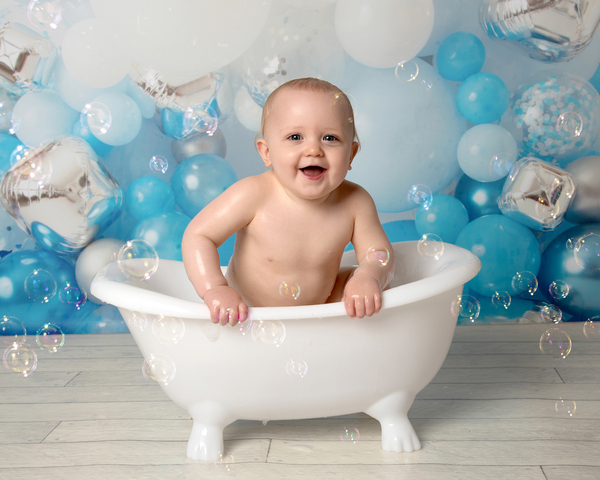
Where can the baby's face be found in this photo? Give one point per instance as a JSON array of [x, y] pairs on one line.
[[308, 140]]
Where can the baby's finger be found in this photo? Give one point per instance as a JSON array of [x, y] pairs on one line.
[[377, 302], [223, 316], [369, 306], [243, 309], [359, 306], [233, 316], [349, 304]]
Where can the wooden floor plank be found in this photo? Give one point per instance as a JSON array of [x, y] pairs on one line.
[[91, 394], [25, 432]]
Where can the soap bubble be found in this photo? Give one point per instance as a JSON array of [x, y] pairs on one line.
[[269, 332], [168, 329], [12, 330], [550, 313], [138, 259], [20, 358], [137, 320], [42, 13], [569, 124], [245, 326], [349, 434], [18, 153], [378, 256], [96, 117], [556, 343], [50, 337], [290, 290], [591, 328], [199, 119], [501, 298], [465, 306], [296, 367], [566, 408], [524, 282], [72, 295], [559, 289], [420, 196], [570, 243], [159, 164], [587, 251], [40, 286], [431, 245], [159, 367], [502, 164], [407, 71], [225, 461], [36, 168]]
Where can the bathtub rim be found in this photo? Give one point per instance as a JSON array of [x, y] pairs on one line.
[[136, 299]]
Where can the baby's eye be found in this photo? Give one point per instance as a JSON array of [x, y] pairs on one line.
[[329, 138], [295, 137]]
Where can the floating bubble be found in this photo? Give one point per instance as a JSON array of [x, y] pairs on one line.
[[431, 245], [558, 289], [378, 256], [296, 367], [566, 408], [18, 153], [269, 332], [225, 461], [50, 337], [349, 435], [42, 13], [524, 282], [554, 342], [73, 295], [407, 71], [591, 328], [20, 358], [569, 124], [96, 117], [137, 320], [570, 243], [160, 368], [465, 306], [159, 164], [12, 330], [199, 119], [138, 259], [501, 298], [36, 168], [291, 290], [168, 329], [420, 196], [40, 286], [245, 326], [550, 313], [587, 252], [501, 164]]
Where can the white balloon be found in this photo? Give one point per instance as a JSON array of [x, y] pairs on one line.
[[310, 4], [92, 258], [247, 111], [383, 33]]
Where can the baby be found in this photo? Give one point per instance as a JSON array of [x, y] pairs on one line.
[[293, 221]]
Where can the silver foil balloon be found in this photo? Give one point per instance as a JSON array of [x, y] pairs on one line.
[[585, 207], [201, 143], [548, 30], [27, 59], [61, 195]]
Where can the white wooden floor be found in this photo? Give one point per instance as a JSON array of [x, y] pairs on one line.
[[87, 412]]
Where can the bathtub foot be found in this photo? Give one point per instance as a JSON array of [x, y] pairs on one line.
[[206, 440], [397, 433]]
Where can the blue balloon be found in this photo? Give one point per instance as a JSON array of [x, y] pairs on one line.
[[114, 118], [8, 143], [401, 231], [200, 179], [479, 198], [482, 98], [148, 195], [445, 217], [99, 147], [560, 263], [504, 247], [460, 55], [164, 231]]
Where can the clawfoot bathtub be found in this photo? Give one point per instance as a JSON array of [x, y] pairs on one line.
[[295, 362]]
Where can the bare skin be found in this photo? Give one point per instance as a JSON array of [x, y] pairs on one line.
[[292, 222]]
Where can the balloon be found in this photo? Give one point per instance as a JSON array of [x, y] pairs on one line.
[[83, 132], [397, 121], [383, 33], [445, 217], [143, 100], [487, 152], [39, 116], [585, 207], [199, 180], [196, 37], [563, 261], [92, 258], [148, 195], [214, 144], [8, 144], [478, 198], [164, 231], [504, 247], [104, 319], [310, 4], [460, 55], [247, 111], [447, 18], [482, 98], [113, 118], [401, 230], [7, 103]]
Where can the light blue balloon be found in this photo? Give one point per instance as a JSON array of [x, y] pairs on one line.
[[99, 147], [401, 231], [200, 179], [459, 55], [445, 217], [164, 231], [148, 195], [8, 143], [504, 247], [482, 98], [125, 119], [143, 100], [487, 152], [479, 198]]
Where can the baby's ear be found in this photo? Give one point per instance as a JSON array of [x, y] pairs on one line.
[[263, 150]]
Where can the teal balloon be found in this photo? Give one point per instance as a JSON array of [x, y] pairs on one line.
[[8, 143], [482, 98], [460, 55], [479, 198], [559, 263], [445, 217], [148, 195], [164, 231], [401, 231], [504, 247]]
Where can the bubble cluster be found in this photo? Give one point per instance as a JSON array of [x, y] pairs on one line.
[[289, 290], [378, 256], [168, 330], [565, 408], [44, 13], [587, 252], [501, 298], [556, 343], [349, 435], [591, 328], [269, 332], [12, 330], [420, 196], [73, 295], [524, 282], [137, 259], [20, 358], [558, 289], [465, 306], [50, 338], [96, 117], [159, 164], [431, 245], [40, 286], [199, 119], [297, 368], [407, 71], [160, 368]]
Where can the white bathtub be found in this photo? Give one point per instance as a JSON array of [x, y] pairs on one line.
[[221, 374]]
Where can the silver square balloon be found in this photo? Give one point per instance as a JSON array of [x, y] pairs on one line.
[[537, 194], [61, 195]]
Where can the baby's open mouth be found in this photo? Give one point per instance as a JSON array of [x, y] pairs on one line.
[[312, 171]]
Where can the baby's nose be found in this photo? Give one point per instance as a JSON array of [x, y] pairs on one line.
[[313, 148]]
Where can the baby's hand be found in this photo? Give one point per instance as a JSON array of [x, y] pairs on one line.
[[225, 305], [362, 295]]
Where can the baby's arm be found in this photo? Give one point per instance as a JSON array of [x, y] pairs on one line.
[[362, 293], [214, 224]]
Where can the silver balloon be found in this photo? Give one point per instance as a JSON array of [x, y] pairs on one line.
[[200, 143], [548, 30], [61, 195], [585, 207]]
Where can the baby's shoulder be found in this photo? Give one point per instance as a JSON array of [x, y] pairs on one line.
[[353, 191]]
